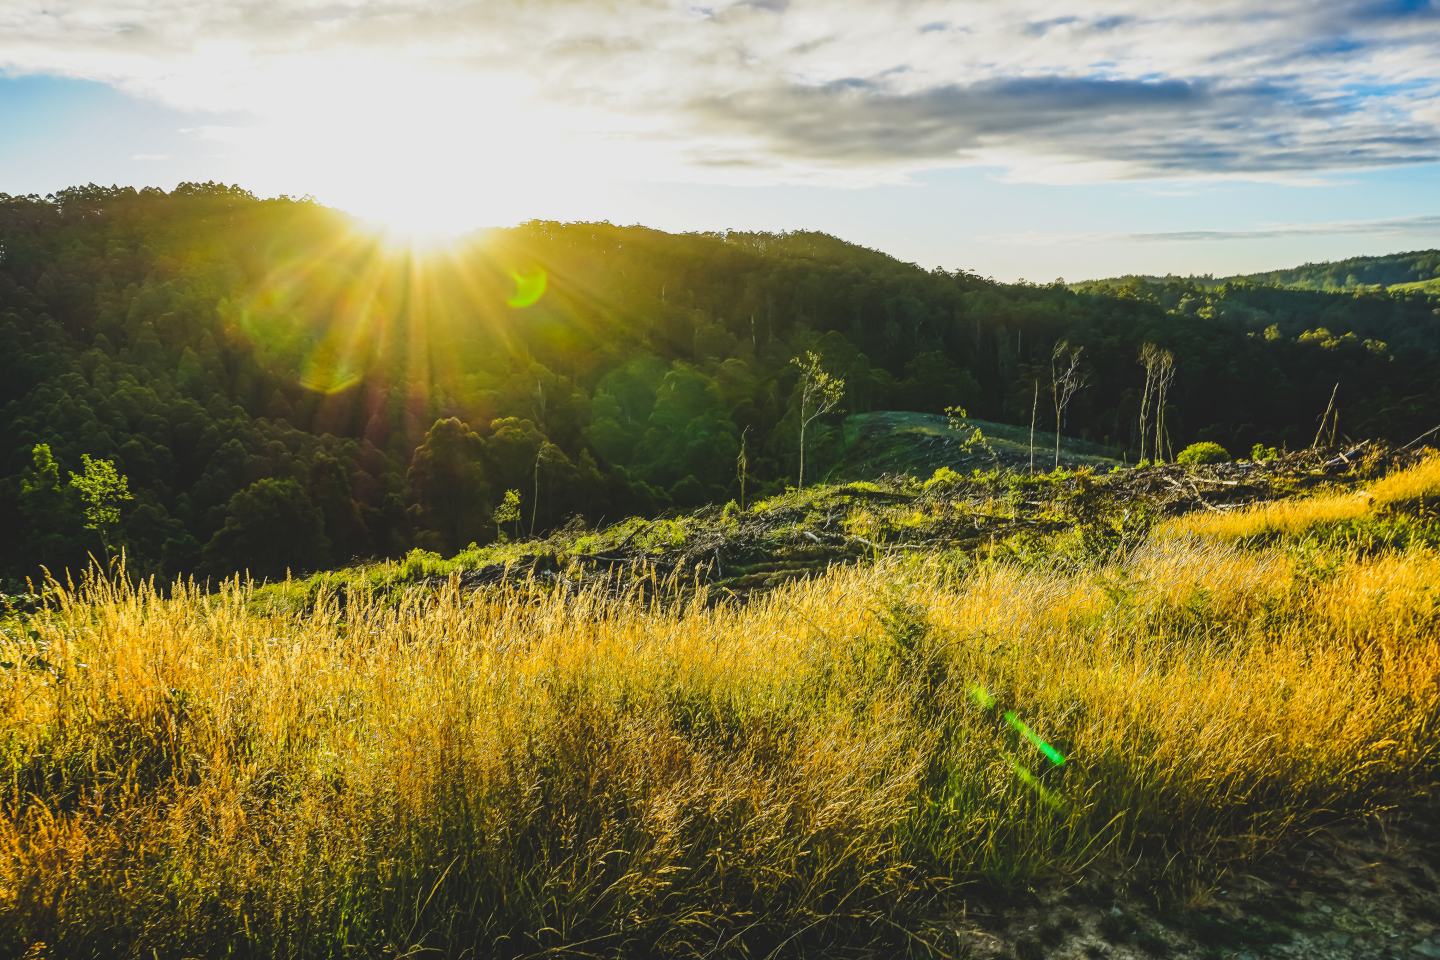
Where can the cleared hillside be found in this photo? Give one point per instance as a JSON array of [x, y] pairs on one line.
[[1085, 734], [894, 441]]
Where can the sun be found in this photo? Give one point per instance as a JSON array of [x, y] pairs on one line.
[[423, 155], [413, 223], [394, 150]]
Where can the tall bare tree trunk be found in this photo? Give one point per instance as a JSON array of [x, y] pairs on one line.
[[1066, 378], [535, 501], [800, 484], [1149, 359], [742, 464], [1164, 375], [1034, 410], [1325, 417]]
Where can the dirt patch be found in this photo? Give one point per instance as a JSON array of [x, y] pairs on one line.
[[1359, 891]]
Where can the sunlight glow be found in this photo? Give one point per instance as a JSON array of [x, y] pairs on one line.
[[421, 155], [413, 227]]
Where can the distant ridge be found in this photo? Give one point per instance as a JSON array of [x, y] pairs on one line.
[[1390, 271], [1415, 271]]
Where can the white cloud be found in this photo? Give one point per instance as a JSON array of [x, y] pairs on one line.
[[1421, 225], [780, 90]]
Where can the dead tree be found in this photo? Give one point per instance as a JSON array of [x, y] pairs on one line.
[[1150, 360], [1159, 367], [1034, 409], [742, 464], [1325, 419], [1066, 378], [1164, 376], [820, 392], [547, 451]]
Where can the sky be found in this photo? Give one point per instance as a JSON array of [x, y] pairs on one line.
[[1033, 139]]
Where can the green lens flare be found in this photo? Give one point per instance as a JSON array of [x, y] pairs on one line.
[[1028, 778], [982, 697], [1051, 754], [529, 287]]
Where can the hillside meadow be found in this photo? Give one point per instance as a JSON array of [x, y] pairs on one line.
[[269, 385], [524, 770]]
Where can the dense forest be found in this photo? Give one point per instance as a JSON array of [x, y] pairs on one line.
[[214, 382], [1418, 269], [1393, 270]]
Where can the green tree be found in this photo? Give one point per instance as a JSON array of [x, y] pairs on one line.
[[270, 527], [508, 512], [50, 513], [820, 392], [329, 487], [102, 489], [448, 486], [41, 497]]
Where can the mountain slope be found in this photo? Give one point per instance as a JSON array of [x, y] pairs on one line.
[[284, 391]]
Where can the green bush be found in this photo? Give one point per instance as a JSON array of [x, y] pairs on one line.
[[1206, 451], [942, 479]]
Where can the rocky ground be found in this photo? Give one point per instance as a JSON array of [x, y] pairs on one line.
[[1349, 893]]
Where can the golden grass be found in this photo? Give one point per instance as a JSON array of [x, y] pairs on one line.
[[1416, 488], [515, 772]]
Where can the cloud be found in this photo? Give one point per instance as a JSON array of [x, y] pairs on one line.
[[1425, 223], [798, 90], [1418, 225]]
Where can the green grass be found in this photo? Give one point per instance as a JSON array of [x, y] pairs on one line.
[[919, 443]]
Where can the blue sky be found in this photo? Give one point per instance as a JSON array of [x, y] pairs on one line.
[[1017, 139]]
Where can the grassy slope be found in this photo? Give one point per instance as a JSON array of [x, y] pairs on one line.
[[894, 441], [1063, 515], [519, 769]]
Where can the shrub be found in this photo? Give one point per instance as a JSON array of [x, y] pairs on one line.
[[941, 479], [1206, 451]]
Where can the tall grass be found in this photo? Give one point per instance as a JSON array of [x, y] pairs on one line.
[[519, 772], [1415, 490]]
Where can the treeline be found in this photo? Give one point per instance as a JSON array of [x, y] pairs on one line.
[[1383, 271], [275, 389]]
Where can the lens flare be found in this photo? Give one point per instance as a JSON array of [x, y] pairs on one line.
[[1048, 797], [1051, 754], [986, 701], [529, 287]]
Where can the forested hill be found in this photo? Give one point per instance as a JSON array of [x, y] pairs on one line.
[[1394, 270], [1417, 271], [281, 390]]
